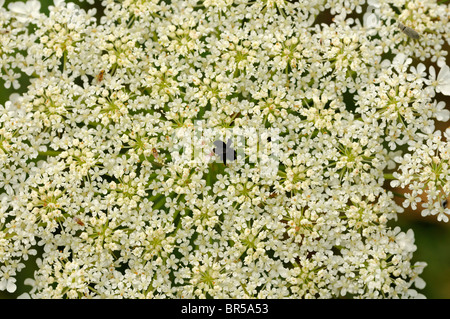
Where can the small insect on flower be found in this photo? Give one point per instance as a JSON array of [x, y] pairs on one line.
[[155, 152], [78, 221], [444, 203], [224, 151], [100, 76], [408, 31]]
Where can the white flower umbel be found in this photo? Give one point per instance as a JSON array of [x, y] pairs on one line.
[[107, 160], [441, 83], [25, 11], [426, 173]]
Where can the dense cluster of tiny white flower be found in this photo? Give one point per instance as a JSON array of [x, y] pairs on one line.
[[86, 153]]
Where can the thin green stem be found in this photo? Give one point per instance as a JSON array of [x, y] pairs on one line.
[[397, 194], [64, 60]]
